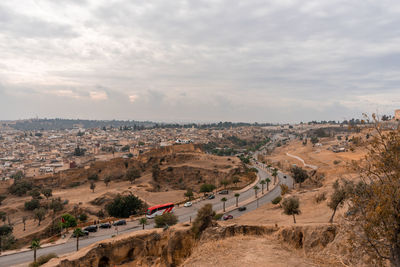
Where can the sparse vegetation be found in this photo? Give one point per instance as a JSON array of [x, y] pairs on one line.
[[203, 219], [132, 174], [276, 200], [39, 214], [284, 189], [339, 195], [320, 197], [167, 219], [43, 259]]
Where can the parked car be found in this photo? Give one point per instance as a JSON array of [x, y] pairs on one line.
[[223, 192], [120, 222], [284, 176], [105, 225], [83, 233], [188, 204], [91, 228], [211, 197], [242, 208], [227, 217]]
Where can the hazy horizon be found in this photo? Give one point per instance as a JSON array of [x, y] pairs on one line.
[[199, 61]]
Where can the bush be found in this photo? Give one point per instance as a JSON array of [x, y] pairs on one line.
[[125, 206], [83, 217], [93, 177], [336, 162], [69, 220], [165, 219], [2, 197], [276, 200], [20, 187], [320, 197], [56, 205], [284, 189], [74, 184], [203, 219], [32, 204], [204, 188], [218, 216], [43, 259], [35, 194]]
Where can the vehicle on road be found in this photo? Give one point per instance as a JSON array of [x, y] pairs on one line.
[[159, 210], [83, 233], [188, 204], [227, 217], [223, 192], [120, 222], [211, 196], [242, 208], [284, 176], [91, 228], [105, 225]]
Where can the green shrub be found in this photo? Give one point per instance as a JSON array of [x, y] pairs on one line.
[[125, 206], [20, 187], [218, 216], [167, 219], [43, 259], [93, 177], [74, 184], [336, 162], [83, 217], [32, 204], [276, 200], [69, 220]]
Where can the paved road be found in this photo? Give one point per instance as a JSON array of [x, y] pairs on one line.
[[184, 215]]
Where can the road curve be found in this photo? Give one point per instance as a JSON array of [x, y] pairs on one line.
[[184, 215]]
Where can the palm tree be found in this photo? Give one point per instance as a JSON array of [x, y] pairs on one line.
[[35, 245], [275, 173], [237, 195], [223, 201], [256, 188], [77, 232], [268, 181], [143, 221], [262, 186]]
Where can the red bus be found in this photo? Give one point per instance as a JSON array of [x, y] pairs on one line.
[[159, 210]]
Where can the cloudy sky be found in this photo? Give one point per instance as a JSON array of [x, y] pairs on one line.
[[202, 60]]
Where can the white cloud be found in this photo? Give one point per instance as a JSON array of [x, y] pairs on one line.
[[133, 98], [98, 95]]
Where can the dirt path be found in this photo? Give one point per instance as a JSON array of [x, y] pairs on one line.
[[302, 161]]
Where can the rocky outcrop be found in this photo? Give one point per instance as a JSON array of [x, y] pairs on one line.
[[170, 248]]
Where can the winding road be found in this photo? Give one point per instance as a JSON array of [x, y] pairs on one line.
[[247, 199]]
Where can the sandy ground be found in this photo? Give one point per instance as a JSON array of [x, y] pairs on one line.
[[245, 251], [311, 211]]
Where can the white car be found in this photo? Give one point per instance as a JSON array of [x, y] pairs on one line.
[[188, 204]]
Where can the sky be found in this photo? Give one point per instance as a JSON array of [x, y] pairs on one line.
[[200, 61]]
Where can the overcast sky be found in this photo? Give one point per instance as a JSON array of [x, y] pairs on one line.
[[197, 60]]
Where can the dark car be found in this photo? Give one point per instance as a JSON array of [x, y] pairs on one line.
[[242, 208], [120, 222], [92, 228], [227, 217], [105, 225], [211, 197], [284, 176], [223, 192], [83, 233]]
